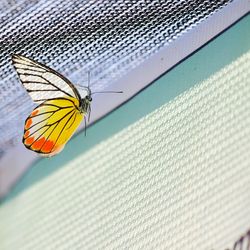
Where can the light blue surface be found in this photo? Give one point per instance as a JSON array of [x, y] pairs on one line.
[[221, 51]]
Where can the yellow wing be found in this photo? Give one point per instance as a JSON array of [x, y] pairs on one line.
[[51, 124]]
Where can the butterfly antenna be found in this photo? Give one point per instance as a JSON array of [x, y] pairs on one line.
[[89, 113], [106, 92], [88, 79]]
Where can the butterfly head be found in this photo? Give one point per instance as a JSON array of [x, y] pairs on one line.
[[88, 98], [86, 101]]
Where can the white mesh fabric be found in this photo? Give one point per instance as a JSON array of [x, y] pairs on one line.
[[107, 38], [176, 179]]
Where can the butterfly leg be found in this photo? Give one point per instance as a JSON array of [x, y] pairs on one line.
[[85, 125], [89, 113]]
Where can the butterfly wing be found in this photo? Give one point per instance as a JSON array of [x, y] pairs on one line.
[[51, 124], [54, 121], [41, 82]]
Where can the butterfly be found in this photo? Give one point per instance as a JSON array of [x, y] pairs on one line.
[[60, 108]]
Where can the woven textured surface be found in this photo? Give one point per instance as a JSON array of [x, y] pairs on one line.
[[175, 179], [107, 38]]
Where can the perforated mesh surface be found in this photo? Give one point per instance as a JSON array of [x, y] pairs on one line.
[[107, 38], [176, 179]]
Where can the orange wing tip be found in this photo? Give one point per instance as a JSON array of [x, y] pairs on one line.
[[34, 112], [38, 144], [28, 123], [56, 151], [26, 134], [48, 146], [29, 141]]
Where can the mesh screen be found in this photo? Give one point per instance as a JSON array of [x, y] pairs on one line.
[[107, 38], [175, 179]]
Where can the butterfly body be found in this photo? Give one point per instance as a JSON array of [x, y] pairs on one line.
[[60, 111]]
